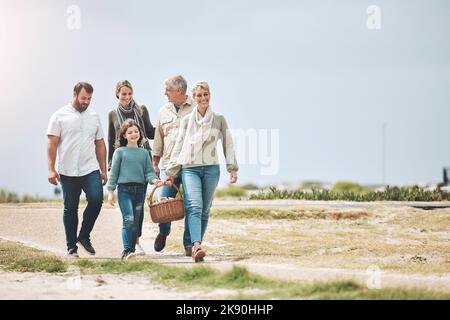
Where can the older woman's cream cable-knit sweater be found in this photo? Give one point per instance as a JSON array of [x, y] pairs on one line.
[[208, 155]]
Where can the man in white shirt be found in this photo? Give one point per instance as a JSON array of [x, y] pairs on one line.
[[75, 134]]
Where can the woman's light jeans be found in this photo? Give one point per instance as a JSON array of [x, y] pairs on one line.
[[199, 185]]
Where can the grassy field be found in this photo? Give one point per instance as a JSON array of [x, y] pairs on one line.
[[355, 193], [399, 240], [403, 240], [15, 257]]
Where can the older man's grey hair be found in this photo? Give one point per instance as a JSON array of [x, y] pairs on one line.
[[177, 82]]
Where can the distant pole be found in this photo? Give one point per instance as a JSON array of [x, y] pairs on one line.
[[383, 154]]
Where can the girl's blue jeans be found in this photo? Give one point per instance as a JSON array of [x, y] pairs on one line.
[[131, 202]]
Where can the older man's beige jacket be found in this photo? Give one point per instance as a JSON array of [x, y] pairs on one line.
[[167, 126]]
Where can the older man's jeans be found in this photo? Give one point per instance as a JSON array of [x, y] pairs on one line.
[[199, 185], [167, 192], [92, 186], [141, 220], [131, 202]]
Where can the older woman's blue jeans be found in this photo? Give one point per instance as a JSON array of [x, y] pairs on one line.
[[199, 185], [131, 202]]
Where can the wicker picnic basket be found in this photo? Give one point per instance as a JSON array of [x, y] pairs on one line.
[[166, 210]]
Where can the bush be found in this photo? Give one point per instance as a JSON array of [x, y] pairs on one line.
[[8, 197], [12, 197], [249, 186], [311, 185], [341, 187], [231, 191], [394, 194]]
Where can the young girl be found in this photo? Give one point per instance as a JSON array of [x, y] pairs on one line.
[[131, 170], [128, 108]]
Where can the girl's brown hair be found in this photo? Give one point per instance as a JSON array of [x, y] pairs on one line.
[[121, 141]]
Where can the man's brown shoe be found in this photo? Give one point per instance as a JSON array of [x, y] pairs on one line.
[[160, 242], [188, 251]]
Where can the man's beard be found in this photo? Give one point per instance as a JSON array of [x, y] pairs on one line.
[[80, 107]]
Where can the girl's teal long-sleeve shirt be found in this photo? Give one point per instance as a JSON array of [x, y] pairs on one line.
[[130, 165]]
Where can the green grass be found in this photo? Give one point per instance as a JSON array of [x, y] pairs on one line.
[[14, 257], [287, 214], [389, 194], [115, 266], [23, 259], [240, 279], [201, 275], [43, 264], [342, 290], [236, 278]]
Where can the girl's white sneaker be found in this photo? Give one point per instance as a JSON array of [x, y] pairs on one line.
[[139, 251]]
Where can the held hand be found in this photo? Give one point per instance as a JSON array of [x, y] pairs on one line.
[[157, 171], [169, 181], [53, 177], [112, 199], [159, 183], [233, 176], [104, 178]]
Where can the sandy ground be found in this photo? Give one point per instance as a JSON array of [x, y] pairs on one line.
[[41, 286], [40, 226]]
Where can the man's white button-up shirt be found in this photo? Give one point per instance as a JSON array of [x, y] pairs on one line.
[[77, 132]]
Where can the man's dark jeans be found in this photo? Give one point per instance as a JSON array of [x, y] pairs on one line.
[[92, 186]]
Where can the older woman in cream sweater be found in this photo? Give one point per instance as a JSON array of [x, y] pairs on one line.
[[195, 158]]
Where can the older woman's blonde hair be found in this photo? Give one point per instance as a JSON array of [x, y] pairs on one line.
[[121, 84], [200, 85]]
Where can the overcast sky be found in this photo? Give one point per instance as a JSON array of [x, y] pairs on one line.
[[312, 70]]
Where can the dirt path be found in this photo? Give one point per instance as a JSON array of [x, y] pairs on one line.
[[42, 286], [40, 226]]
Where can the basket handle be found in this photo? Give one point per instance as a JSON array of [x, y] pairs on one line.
[[150, 197]]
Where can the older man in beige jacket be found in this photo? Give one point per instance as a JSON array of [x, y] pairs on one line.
[[167, 126]]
